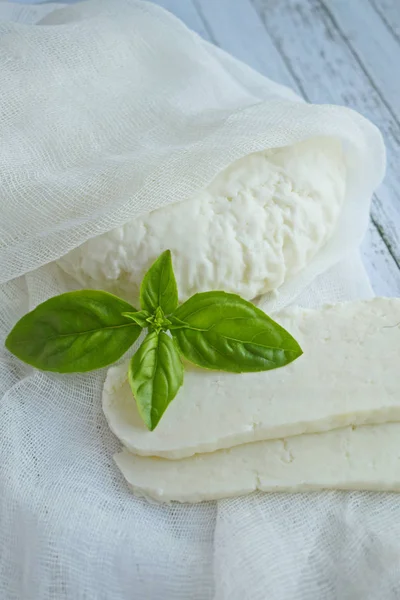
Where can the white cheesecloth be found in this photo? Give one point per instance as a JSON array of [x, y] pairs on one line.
[[109, 110]]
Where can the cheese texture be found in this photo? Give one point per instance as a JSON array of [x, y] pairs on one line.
[[258, 223], [348, 375], [364, 458]]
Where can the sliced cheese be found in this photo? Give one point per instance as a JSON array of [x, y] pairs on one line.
[[364, 458], [348, 375]]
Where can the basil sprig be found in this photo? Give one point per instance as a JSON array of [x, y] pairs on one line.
[[90, 329]]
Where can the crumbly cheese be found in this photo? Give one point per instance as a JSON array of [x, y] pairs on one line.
[[348, 374], [364, 458], [258, 223]]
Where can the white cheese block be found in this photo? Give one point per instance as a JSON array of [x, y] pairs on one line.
[[348, 375], [364, 458], [256, 225]]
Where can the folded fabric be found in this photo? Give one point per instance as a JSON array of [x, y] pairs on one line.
[[94, 152]]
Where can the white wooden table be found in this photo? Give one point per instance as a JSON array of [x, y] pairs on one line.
[[330, 51]]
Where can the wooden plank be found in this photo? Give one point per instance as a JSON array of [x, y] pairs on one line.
[[382, 270], [389, 11], [320, 59], [237, 28], [374, 45]]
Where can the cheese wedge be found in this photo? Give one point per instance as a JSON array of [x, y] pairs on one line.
[[364, 458], [348, 375]]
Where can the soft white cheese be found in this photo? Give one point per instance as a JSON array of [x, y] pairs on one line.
[[364, 458], [348, 374], [258, 223]]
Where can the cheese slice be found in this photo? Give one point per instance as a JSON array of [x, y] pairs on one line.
[[348, 375], [364, 458]]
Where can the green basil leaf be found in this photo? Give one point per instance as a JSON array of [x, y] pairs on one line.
[[175, 323], [74, 332], [140, 317], [155, 376], [158, 287], [228, 333]]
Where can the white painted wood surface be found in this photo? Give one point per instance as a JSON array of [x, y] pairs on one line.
[[330, 51], [389, 11]]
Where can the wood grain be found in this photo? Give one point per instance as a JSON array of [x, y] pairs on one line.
[[373, 44], [389, 11], [382, 270], [236, 27]]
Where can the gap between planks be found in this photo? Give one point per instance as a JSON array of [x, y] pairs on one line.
[[373, 45]]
